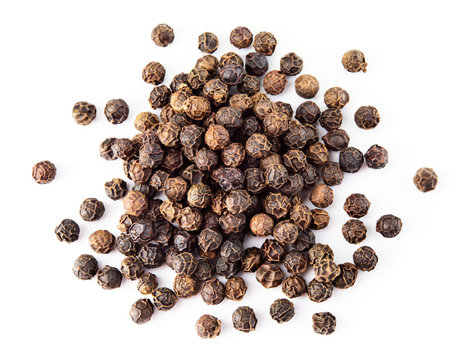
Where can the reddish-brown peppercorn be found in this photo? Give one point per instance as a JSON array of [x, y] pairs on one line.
[[307, 86], [291, 64], [320, 219], [356, 205], [264, 43], [241, 37], [336, 97], [321, 196], [274, 82], [365, 258], [44, 172], [347, 276]]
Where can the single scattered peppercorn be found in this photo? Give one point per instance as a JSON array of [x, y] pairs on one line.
[[319, 291], [208, 327], [91, 209], [307, 86], [68, 231], [116, 111], [354, 231], [256, 64], [159, 96], [109, 277], [162, 35], [105, 149], [241, 37], [154, 73], [367, 117], [85, 267], [116, 188], [164, 299], [356, 205], [282, 310], [351, 160], [425, 179], [291, 64], [365, 258], [336, 97], [274, 82], [244, 319], [354, 61], [142, 311], [44, 172], [347, 276], [294, 286], [265, 43], [102, 241], [376, 157], [324, 323], [208, 42], [389, 226], [84, 112]]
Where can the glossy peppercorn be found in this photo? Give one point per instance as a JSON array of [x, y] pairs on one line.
[[336, 139]]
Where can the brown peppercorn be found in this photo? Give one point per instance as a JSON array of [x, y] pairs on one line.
[[208, 42], [318, 154], [164, 299], [365, 258], [376, 157], [277, 205], [173, 160], [147, 283], [241, 101], [206, 159], [367, 117], [135, 203], [389, 226], [255, 180], [251, 259], [102, 241], [197, 107], [212, 291], [356, 205], [185, 286], [232, 74], [263, 107], [269, 275], [209, 240], [331, 173], [132, 267], [320, 219], [137, 172], [307, 86], [301, 215], [230, 179], [84, 112], [125, 221], [235, 288], [159, 97], [153, 73], [286, 232], [295, 160], [227, 269], [105, 149], [116, 111], [184, 241], [326, 270], [351, 160], [241, 37], [298, 135], [324, 323], [208, 327], [319, 291], [44, 172], [336, 139], [216, 137], [336, 97], [209, 63], [308, 112], [272, 250], [142, 231], [85, 267], [168, 134], [231, 223], [293, 185], [162, 35], [190, 219], [68, 231], [305, 240], [238, 201], [175, 188], [295, 262], [261, 225], [185, 263], [230, 58], [354, 231], [205, 270], [250, 85], [91, 209], [291, 64], [274, 82], [264, 43], [230, 117], [294, 286], [177, 102], [109, 277], [321, 196], [170, 210], [282, 310], [123, 149], [275, 124], [347, 276], [319, 252], [233, 154], [331, 119], [425, 179], [199, 195], [276, 175], [354, 61], [146, 121], [142, 311], [256, 64], [257, 146], [198, 77], [216, 91]]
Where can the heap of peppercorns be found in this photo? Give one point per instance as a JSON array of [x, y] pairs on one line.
[[231, 162]]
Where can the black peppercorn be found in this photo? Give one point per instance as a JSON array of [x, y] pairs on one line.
[[205, 270], [147, 283], [151, 255], [235, 288], [336, 139], [116, 188], [376, 157], [227, 269], [208, 42], [185, 264], [282, 310], [208, 327], [274, 82], [85, 267], [102, 241], [354, 61], [367, 117], [244, 319], [241, 37], [116, 111], [68, 231], [425, 179], [105, 149], [142, 311], [347, 276], [294, 286], [351, 160], [91, 209], [331, 119], [319, 291], [365, 258], [291, 64], [185, 286], [109, 277], [212, 291], [324, 323], [307, 86], [164, 299], [331, 173], [256, 64], [132, 267], [336, 97], [162, 35], [389, 226], [356, 205], [354, 231], [265, 43], [269, 275], [154, 73], [44, 172]]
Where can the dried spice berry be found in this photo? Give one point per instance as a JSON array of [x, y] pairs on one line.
[[389, 226], [331, 119], [276, 175], [102, 241], [367, 117], [324, 323], [321, 196], [318, 154], [263, 107], [336, 139], [116, 111], [270, 160], [356, 205], [235, 288], [274, 82], [256, 64], [298, 135], [295, 262], [351, 160], [208, 327], [277, 205], [209, 240], [173, 160], [153, 73], [209, 63], [230, 117], [84, 112], [331, 173], [295, 160], [164, 299], [307, 86], [282, 310], [308, 112], [354, 61], [184, 241], [269, 275], [230, 179], [142, 231], [305, 240], [244, 319], [238, 201], [170, 210], [177, 102], [132, 267], [319, 252], [212, 291], [162, 35], [275, 124], [365, 258], [272, 250], [216, 137], [261, 225], [233, 154], [264, 43], [105, 149], [147, 283], [68, 231], [250, 85], [190, 219], [125, 221], [123, 149], [230, 58], [185, 263], [185, 286], [208, 42], [151, 255], [347, 276], [116, 188], [291, 64], [336, 97], [44, 172], [227, 269], [293, 185], [425, 179], [159, 97], [198, 77], [109, 277], [206, 159], [320, 219], [294, 286], [232, 74], [175, 188], [205, 269], [286, 232], [354, 231], [319, 291], [85, 267], [216, 91], [231, 251], [251, 259], [326, 270], [91, 209], [135, 203], [241, 37], [231, 223], [376, 157], [142, 311], [199, 195]]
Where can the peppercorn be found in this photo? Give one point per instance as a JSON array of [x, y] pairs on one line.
[[135, 203], [347, 276], [205, 270], [209, 63], [142, 311], [295, 160], [269, 275], [177, 102], [198, 77], [320, 219], [326, 270], [44, 172], [123, 149], [277, 205], [185, 264], [159, 96], [265, 43], [235, 288], [356, 205], [230, 117], [184, 241], [151, 155], [109, 277], [208, 42], [125, 221], [331, 119], [116, 188], [147, 283], [91, 209], [354, 231], [307, 86], [286, 232], [305, 240], [263, 107], [116, 111], [162, 35], [351, 160], [251, 259], [250, 85], [331, 173], [321, 196], [185, 286], [256, 64], [212, 291], [102, 241], [173, 160], [376, 157], [190, 219], [298, 135], [324, 323], [389, 226], [365, 258], [230, 58], [232, 74], [178, 81], [151, 255], [84, 112], [425, 179], [206, 159], [275, 176], [68, 231], [208, 327], [336, 97], [319, 252], [282, 310], [231, 223], [336, 139], [216, 91], [367, 117], [241, 37], [244, 319], [318, 154], [295, 262], [105, 149], [132, 267], [319, 291], [272, 250], [274, 82], [85, 267], [308, 112], [294, 286], [216, 137], [230, 179], [153, 73], [354, 61], [227, 269], [291, 64], [164, 299], [261, 225]]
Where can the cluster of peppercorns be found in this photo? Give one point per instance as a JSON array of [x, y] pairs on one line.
[[231, 162]]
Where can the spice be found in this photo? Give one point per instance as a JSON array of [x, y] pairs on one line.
[[116, 188], [319, 252], [351, 160], [164, 299], [354, 231], [208, 327], [274, 82], [389, 226], [336, 97], [212, 291], [135, 203], [291, 64], [367, 117], [331, 173], [102, 241], [154, 73], [162, 35], [132, 267], [307, 86], [91, 209], [336, 139], [331, 119], [269, 275], [308, 112], [324, 323], [296, 262], [208, 42], [256, 64], [319, 291], [320, 219], [365, 258], [185, 286], [425, 179], [241, 37], [147, 283], [85, 267], [116, 111], [251, 259], [264, 43], [235, 288], [347, 276], [294, 286], [244, 319], [356, 205], [105, 149], [84, 112], [109, 277], [354, 61], [142, 311], [68, 231], [44, 172], [321, 196], [282, 310], [376, 157]]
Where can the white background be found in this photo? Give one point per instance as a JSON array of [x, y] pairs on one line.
[[413, 305]]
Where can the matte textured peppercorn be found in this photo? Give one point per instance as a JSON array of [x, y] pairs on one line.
[[324, 323], [365, 258], [319, 252], [68, 231], [336, 139], [147, 283], [227, 269], [164, 299], [154, 73], [274, 82], [235, 288], [142, 311], [265, 43], [208, 42], [294, 286], [425, 179], [331, 173], [102, 241], [244, 319], [351, 160], [105, 149], [269, 275], [116, 188], [277, 205], [336, 97], [320, 219], [291, 64], [367, 117], [185, 286], [256, 64], [347, 276], [85, 267], [354, 231], [321, 196], [376, 157], [91, 209], [208, 327], [354, 61], [162, 35], [251, 259], [159, 96], [232, 74], [356, 205], [307, 86], [109, 277], [318, 154], [84, 112], [116, 111], [389, 226], [282, 310], [44, 172], [296, 262], [319, 291], [241, 37], [132, 267], [212, 291]]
